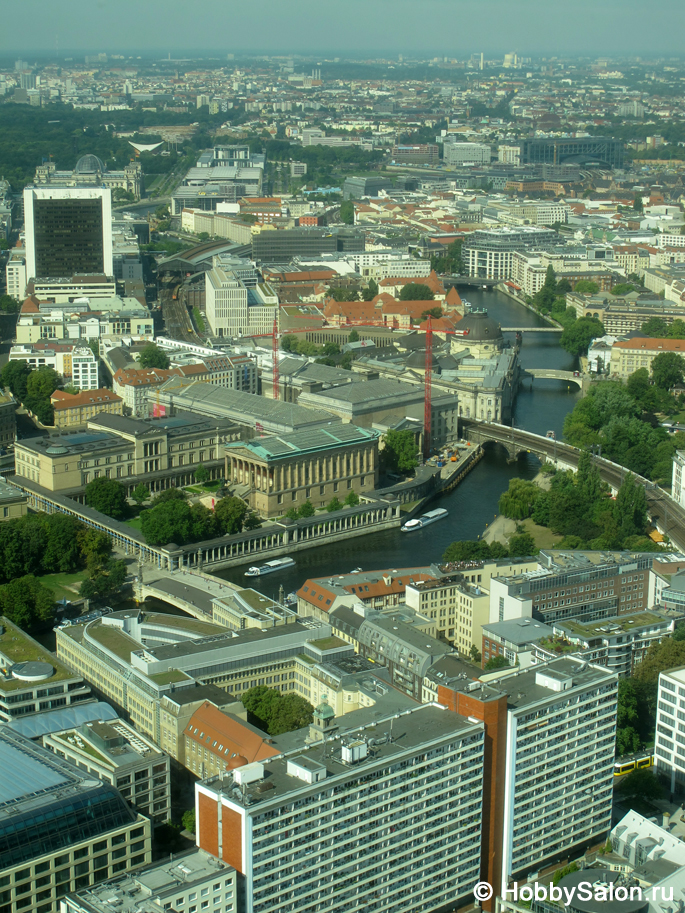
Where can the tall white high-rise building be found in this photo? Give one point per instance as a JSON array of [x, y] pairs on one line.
[[68, 231], [382, 817], [559, 778], [670, 728]]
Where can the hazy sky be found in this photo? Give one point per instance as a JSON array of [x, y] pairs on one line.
[[327, 27]]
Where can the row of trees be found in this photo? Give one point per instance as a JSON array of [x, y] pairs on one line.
[[579, 507], [308, 510], [619, 419], [657, 327], [520, 545], [412, 291], [171, 518], [329, 353]]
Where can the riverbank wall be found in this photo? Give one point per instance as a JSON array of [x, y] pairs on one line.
[[433, 482], [505, 290]]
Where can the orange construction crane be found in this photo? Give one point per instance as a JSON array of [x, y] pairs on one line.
[[276, 373], [427, 409]]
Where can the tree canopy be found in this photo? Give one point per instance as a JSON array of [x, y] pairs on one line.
[[231, 513], [579, 507], [15, 375], [108, 496], [450, 261], [153, 357], [577, 336], [276, 712], [400, 453], [27, 603], [46, 544], [668, 369], [347, 212], [416, 291], [617, 418], [657, 327], [586, 287]]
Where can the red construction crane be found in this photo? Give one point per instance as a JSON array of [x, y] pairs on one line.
[[276, 377], [427, 413]]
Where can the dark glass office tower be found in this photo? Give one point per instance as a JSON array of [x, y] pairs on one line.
[[68, 237]]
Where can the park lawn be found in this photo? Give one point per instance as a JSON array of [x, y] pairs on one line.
[[209, 488], [64, 586], [409, 506], [544, 537], [134, 522]]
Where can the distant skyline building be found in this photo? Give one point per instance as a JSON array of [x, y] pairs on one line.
[[555, 150], [466, 153], [68, 231], [91, 170]]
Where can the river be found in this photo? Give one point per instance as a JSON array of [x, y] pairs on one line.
[[541, 407]]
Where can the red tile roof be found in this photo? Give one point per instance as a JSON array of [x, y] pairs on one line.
[[227, 736], [652, 345], [62, 400]]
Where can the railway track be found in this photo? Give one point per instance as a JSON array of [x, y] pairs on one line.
[[665, 513]]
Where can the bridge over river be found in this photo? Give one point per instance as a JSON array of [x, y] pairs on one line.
[[666, 514], [569, 377], [532, 329]]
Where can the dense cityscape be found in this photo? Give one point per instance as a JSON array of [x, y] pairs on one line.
[[342, 477]]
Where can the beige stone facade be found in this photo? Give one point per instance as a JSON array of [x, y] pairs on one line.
[[161, 453], [284, 471], [74, 409]]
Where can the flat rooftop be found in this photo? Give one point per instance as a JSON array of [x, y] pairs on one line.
[[617, 625], [110, 743], [17, 647], [173, 426], [244, 408], [519, 630], [226, 639], [136, 892], [122, 644], [393, 736], [522, 688], [552, 563], [369, 393]]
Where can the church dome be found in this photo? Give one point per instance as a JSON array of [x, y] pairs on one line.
[[478, 327], [418, 360], [90, 164], [325, 711]]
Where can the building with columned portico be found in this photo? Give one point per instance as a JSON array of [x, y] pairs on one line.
[[283, 471]]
